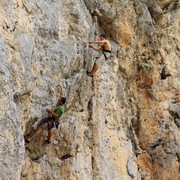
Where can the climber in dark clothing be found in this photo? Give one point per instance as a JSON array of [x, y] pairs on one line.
[[52, 120], [105, 46]]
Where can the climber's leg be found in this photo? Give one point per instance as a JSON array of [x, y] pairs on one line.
[[34, 135], [41, 126], [98, 62], [94, 69], [49, 136]]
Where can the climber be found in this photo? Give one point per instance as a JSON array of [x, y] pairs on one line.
[[52, 120], [105, 46]]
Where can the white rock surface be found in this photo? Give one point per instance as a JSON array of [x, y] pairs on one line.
[[123, 124]]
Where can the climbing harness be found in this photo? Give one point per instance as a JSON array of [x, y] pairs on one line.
[[105, 52], [56, 124]]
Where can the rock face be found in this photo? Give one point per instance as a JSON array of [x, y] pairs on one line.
[[122, 124]]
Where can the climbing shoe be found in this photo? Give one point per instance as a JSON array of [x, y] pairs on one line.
[[48, 141], [27, 141], [89, 73]]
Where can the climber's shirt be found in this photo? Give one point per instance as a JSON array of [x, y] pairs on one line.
[[59, 110], [50, 121]]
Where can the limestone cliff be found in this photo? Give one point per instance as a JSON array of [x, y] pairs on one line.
[[124, 123]]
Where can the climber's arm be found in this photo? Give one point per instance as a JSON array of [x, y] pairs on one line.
[[97, 42], [96, 49], [51, 112], [61, 90]]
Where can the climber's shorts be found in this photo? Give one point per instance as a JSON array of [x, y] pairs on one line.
[[102, 58], [46, 123]]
